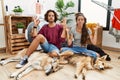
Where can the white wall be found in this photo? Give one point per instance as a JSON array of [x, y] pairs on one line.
[[2, 37], [29, 5]]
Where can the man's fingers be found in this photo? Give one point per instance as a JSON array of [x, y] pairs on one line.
[[34, 17]]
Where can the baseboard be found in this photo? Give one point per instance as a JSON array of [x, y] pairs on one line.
[[111, 48]]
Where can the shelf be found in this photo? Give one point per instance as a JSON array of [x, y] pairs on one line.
[[15, 41]]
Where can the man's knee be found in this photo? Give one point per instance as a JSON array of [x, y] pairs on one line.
[[53, 54], [40, 38]]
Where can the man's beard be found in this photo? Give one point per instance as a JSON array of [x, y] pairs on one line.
[[51, 21]]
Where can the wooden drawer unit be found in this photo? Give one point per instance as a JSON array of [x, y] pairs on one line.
[[15, 41]]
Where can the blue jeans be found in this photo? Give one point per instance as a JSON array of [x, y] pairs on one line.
[[80, 50], [47, 47]]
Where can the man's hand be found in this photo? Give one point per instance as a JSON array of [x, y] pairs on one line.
[[63, 23], [36, 21]]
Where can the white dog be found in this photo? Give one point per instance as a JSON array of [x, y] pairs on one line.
[[37, 60], [15, 58]]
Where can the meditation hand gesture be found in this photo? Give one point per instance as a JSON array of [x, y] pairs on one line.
[[36, 21], [34, 30], [63, 23]]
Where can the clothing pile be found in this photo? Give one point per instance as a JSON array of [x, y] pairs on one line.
[[115, 29]]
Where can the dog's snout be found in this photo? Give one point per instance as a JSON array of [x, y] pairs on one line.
[[49, 70], [101, 68], [47, 73]]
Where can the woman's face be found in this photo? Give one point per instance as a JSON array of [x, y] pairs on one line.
[[80, 21]]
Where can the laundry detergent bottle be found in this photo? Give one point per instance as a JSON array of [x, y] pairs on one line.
[[38, 7]]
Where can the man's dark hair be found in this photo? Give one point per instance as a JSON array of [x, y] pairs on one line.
[[55, 14]]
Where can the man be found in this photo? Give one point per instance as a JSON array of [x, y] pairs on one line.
[[50, 37]]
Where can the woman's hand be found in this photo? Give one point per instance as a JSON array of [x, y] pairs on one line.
[[67, 29]]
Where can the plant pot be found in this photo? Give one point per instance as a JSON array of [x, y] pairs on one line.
[[20, 30], [18, 13]]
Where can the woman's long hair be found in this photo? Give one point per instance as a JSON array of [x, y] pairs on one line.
[[84, 35]]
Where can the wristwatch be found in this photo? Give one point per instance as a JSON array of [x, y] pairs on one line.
[[34, 27]]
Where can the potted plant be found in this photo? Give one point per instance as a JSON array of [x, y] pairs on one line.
[[61, 8], [17, 10], [20, 27]]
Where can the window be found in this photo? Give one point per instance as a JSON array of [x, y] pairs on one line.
[[96, 13]]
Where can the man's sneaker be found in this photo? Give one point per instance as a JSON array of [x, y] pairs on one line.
[[22, 63]]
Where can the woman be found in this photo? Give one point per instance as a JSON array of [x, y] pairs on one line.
[[78, 37]]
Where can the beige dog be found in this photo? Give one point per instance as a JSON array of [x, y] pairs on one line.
[[37, 60], [83, 62]]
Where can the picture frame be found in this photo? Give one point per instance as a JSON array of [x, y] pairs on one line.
[[1, 12]]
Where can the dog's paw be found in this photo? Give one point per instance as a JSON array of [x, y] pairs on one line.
[[2, 59], [2, 62], [58, 68], [13, 75], [119, 57], [75, 76], [18, 77], [83, 78]]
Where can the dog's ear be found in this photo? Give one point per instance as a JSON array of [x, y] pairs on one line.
[[104, 57]]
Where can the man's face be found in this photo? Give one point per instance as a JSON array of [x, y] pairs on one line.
[[51, 17]]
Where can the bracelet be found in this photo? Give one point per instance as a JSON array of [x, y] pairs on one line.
[[34, 27]]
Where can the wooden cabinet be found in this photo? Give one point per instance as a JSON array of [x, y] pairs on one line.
[[15, 41]]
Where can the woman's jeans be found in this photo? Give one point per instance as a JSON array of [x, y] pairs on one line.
[[80, 50]]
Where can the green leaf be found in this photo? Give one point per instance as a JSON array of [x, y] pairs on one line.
[[20, 25], [17, 9], [61, 8]]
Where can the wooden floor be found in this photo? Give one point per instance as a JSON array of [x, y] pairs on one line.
[[67, 72]]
